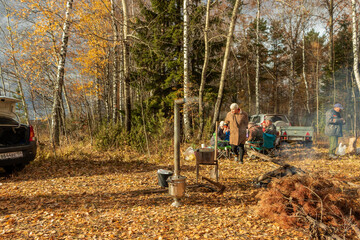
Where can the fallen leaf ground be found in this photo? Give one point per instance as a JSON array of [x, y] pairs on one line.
[[87, 194]]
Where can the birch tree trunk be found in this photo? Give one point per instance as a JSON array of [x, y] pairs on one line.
[[55, 118], [203, 73], [67, 102], [317, 92], [108, 92], [115, 72], [304, 75], [223, 71], [126, 69], [356, 59], [331, 35], [2, 81], [248, 86], [187, 129], [355, 44], [292, 85], [257, 104]]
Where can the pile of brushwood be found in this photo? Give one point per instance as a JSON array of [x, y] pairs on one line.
[[326, 208]]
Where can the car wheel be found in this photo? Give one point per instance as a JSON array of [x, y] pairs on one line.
[[14, 168]]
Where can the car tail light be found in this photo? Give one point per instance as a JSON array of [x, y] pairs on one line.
[[284, 134], [32, 134]]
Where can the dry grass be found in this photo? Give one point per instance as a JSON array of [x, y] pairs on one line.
[[85, 194]]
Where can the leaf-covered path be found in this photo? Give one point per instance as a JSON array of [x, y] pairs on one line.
[[85, 194]]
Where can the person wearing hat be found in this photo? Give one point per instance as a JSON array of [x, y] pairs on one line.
[[333, 127], [223, 131], [238, 121]]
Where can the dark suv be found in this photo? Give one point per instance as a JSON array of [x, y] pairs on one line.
[[17, 141]]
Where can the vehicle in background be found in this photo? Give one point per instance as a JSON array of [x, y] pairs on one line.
[[287, 133], [17, 141]]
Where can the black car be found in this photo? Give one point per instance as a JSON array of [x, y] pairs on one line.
[[17, 141]]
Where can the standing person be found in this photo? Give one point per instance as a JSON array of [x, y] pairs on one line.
[[333, 127], [238, 122]]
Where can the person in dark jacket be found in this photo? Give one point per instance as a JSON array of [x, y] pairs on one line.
[[223, 133], [333, 127], [269, 127]]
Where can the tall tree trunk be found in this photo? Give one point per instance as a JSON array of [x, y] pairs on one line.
[[356, 58], [121, 90], [2, 81], [292, 85], [186, 113], [203, 73], [304, 75], [115, 63], [55, 128], [224, 66], [248, 86], [355, 44], [109, 87], [98, 101], [17, 72], [257, 104], [317, 91], [67, 102], [331, 35], [126, 69]]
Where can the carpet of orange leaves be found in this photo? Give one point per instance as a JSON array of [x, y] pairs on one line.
[[82, 193]]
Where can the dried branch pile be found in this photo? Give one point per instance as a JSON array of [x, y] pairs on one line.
[[322, 206]]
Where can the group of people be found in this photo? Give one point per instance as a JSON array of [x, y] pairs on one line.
[[237, 129]]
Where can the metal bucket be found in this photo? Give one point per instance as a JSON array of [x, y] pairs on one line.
[[204, 155], [177, 186]]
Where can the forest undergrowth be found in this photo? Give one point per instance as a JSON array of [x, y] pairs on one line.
[[82, 192]]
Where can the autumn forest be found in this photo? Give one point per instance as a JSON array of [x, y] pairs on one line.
[[96, 63], [97, 79]]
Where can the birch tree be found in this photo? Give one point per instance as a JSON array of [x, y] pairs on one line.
[[186, 71], [304, 74], [115, 76], [203, 72], [257, 71], [126, 67], [355, 43], [56, 109], [225, 62]]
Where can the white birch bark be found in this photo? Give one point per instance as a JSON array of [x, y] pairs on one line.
[[126, 68], [186, 71], [355, 44], [257, 101], [56, 109], [304, 75], [317, 92], [203, 73], [225, 62], [115, 76], [2, 81]]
